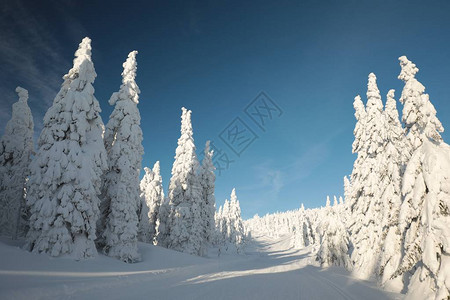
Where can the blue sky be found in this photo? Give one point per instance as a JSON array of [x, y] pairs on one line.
[[215, 57]]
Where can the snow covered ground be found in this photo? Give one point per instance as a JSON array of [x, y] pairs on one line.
[[267, 270]]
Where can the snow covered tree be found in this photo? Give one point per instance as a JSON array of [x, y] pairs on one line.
[[145, 229], [65, 182], [225, 228], [424, 213], [207, 179], [236, 225], [396, 154], [123, 143], [185, 194], [152, 196], [366, 204], [231, 231], [162, 230], [16, 148], [217, 237], [302, 236], [426, 206], [334, 239], [358, 146], [419, 115]]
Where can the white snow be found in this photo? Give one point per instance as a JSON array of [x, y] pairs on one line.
[[268, 269]]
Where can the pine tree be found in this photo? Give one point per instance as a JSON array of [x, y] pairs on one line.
[[65, 182], [358, 146], [123, 143], [301, 231], [153, 196], [236, 225], [419, 115], [225, 228], [230, 225], [162, 229], [16, 148], [395, 156], [424, 221], [366, 204], [334, 239], [185, 193], [207, 179], [218, 220], [145, 229]]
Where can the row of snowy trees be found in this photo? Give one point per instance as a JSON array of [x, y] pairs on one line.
[[322, 229], [81, 189], [399, 191], [395, 223], [183, 221]]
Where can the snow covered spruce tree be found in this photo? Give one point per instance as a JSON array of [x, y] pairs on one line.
[[123, 143], [236, 225], [65, 175], [16, 148], [356, 182], [162, 229], [185, 195], [302, 236], [217, 235], [396, 154], [424, 213], [145, 230], [224, 225], [366, 179], [152, 196], [230, 226], [334, 238], [207, 179]]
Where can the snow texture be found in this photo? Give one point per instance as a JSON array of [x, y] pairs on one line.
[[269, 270]]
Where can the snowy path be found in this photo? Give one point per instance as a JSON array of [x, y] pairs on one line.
[[266, 271]]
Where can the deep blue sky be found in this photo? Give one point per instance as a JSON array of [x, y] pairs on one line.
[[215, 57]]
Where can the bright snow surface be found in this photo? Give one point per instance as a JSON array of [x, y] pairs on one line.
[[268, 269]]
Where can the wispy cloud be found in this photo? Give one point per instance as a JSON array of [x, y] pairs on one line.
[[271, 180], [190, 23], [30, 56]]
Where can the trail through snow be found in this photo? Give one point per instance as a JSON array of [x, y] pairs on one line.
[[268, 269]]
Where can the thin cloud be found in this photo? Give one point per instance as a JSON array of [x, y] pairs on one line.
[[269, 179], [30, 56]]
